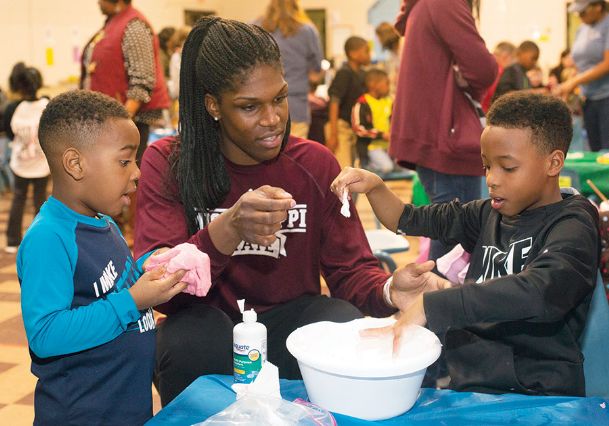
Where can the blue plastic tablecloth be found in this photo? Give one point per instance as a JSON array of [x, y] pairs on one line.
[[209, 395]]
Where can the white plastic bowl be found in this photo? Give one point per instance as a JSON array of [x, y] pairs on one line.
[[357, 376]]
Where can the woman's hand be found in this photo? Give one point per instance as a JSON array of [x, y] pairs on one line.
[[255, 218], [411, 281], [157, 252], [409, 284], [415, 314]]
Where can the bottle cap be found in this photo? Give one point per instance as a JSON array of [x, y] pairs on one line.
[[250, 316]]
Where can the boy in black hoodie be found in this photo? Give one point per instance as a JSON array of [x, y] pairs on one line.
[[515, 77], [515, 324]]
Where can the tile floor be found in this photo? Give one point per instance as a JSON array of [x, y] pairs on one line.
[[16, 381]]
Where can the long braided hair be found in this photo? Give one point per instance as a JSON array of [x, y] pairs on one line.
[[216, 57]]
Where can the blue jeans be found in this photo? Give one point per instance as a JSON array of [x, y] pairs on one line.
[[441, 188], [596, 122]]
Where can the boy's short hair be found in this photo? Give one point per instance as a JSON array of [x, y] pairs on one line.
[[353, 43], [504, 47], [528, 46], [547, 117], [75, 118], [374, 75]]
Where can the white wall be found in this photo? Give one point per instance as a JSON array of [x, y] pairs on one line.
[[542, 21], [29, 27], [344, 17]]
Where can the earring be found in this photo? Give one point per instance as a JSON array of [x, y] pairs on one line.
[[216, 118]]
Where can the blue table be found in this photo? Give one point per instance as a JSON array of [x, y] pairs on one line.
[[209, 395]]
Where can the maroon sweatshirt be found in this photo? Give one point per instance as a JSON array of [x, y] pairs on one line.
[[314, 239], [433, 124]]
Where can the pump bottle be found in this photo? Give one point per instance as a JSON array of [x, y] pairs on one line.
[[249, 348]]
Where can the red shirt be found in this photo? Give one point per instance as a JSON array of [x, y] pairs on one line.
[[109, 75], [314, 239], [488, 96], [433, 124]]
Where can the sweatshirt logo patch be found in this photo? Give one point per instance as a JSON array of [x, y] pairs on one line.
[[295, 223], [496, 263]]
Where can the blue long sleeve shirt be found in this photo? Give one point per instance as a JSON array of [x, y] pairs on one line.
[[91, 349]]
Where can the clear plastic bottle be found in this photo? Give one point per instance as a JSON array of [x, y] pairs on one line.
[[249, 347]]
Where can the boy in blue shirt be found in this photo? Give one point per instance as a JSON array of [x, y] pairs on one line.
[[87, 316]]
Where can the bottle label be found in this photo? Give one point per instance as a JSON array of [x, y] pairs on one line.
[[247, 362]]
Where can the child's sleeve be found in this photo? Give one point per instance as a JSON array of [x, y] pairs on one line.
[[339, 86], [549, 287], [45, 266], [361, 120], [139, 263], [507, 83], [451, 223]]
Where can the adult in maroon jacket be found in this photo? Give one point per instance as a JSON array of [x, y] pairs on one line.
[[434, 126], [258, 202], [122, 61]]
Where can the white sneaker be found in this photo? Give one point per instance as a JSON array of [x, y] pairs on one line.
[[10, 249]]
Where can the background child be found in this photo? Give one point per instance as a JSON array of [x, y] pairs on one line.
[[515, 77], [346, 87], [391, 42], [319, 114], [505, 55], [564, 70], [86, 313], [28, 163], [371, 122], [535, 76], [515, 325]]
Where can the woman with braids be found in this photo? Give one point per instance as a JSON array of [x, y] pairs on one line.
[[258, 202]]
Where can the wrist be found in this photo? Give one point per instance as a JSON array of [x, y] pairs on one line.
[[377, 187], [150, 254], [223, 234], [135, 295], [422, 316]]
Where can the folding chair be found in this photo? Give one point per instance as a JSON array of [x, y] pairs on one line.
[[384, 243], [594, 342]]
